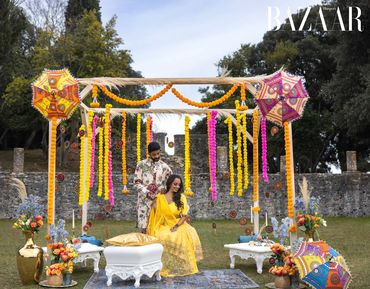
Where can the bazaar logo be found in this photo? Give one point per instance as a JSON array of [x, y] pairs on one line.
[[337, 22]]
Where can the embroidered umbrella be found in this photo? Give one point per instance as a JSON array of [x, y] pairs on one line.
[[322, 249], [55, 94], [330, 275], [282, 98]]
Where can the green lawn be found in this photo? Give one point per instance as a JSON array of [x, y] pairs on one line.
[[350, 236]]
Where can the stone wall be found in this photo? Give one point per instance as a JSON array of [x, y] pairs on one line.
[[341, 195]]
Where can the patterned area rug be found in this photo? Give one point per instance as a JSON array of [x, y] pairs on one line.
[[207, 279]]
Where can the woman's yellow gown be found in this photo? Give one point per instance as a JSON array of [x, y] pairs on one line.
[[182, 248]]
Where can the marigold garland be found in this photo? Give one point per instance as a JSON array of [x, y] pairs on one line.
[[89, 153], [222, 99], [134, 102], [106, 150], [243, 97], [264, 150], [256, 209], [255, 155], [51, 176], [239, 150], [148, 126], [245, 152], [138, 138], [187, 180], [81, 198], [229, 123], [95, 103], [289, 168], [110, 178], [124, 166], [100, 160]]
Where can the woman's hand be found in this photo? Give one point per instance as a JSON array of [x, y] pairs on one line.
[[174, 228]]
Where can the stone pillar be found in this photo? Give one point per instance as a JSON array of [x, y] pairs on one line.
[[222, 159], [351, 161], [282, 164], [18, 160]]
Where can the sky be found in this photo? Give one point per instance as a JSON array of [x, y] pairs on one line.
[[187, 38]]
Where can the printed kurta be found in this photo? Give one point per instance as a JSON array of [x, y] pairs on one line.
[[147, 173]]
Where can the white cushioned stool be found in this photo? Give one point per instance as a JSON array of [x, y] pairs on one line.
[[126, 262]]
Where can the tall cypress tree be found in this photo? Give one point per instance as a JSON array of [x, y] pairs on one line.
[[76, 8]]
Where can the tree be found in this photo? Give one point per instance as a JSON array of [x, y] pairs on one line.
[[77, 8]]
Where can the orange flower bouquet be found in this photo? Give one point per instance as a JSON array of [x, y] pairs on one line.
[[282, 261], [54, 274]]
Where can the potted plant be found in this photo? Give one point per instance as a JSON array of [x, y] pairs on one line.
[[30, 256], [54, 274], [283, 266], [308, 217]]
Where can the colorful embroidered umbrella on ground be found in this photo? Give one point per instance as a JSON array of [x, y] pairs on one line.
[[282, 98], [55, 94], [330, 275]]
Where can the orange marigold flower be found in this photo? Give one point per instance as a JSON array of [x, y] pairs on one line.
[[292, 228]]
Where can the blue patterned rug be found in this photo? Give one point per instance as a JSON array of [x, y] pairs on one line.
[[207, 279]]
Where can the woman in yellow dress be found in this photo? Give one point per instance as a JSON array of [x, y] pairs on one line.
[[167, 222]]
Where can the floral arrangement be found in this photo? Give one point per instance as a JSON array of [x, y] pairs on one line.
[[281, 231], [123, 139], [51, 175], [308, 218], [29, 211], [187, 168], [255, 155], [93, 144], [229, 123], [264, 150], [100, 158], [89, 154], [82, 164], [282, 261], [138, 136], [54, 269], [239, 150], [245, 151], [289, 167], [212, 153]]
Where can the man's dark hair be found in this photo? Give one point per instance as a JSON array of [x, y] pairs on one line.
[[153, 146]]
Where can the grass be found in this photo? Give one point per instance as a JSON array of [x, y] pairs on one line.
[[350, 236]]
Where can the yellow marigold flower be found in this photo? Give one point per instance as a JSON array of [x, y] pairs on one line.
[[23, 217]]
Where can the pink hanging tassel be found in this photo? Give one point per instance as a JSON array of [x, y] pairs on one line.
[[151, 129], [213, 154], [92, 167], [110, 182], [264, 150]]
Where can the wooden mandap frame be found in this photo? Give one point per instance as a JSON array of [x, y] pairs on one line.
[[249, 83]]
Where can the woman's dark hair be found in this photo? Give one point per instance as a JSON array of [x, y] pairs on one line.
[[176, 195]]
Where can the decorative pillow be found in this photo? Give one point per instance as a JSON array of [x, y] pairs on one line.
[[132, 239]]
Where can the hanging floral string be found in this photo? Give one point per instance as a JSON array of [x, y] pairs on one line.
[[243, 97], [110, 180], [148, 126], [94, 92], [209, 146], [93, 144], [100, 157], [134, 102], [239, 150], [245, 151], [106, 150], [187, 168], [264, 150], [89, 154], [229, 123], [138, 136], [82, 165], [212, 137], [124, 166], [151, 129], [255, 155], [51, 176], [289, 168], [222, 99]]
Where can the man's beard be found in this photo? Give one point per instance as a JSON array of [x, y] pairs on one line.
[[155, 159]]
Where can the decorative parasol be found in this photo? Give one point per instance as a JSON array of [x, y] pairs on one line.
[[328, 275], [282, 98], [55, 94]]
